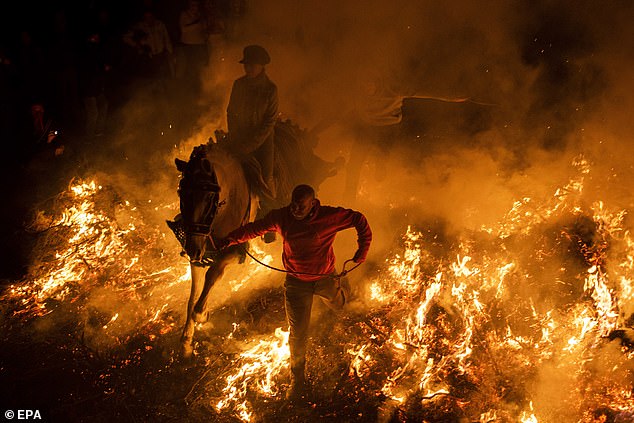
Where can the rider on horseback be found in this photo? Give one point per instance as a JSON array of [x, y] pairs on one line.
[[251, 117]]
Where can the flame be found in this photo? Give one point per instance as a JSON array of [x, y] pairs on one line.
[[255, 269], [528, 416], [360, 362], [91, 249], [428, 346], [257, 369], [468, 329]]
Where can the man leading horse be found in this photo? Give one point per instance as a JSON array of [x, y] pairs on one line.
[[308, 230]]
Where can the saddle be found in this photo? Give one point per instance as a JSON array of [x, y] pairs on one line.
[[257, 184], [251, 168]]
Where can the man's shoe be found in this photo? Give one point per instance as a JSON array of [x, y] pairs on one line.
[[297, 391]]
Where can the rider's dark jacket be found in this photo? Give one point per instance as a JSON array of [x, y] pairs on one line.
[[308, 242], [251, 116]]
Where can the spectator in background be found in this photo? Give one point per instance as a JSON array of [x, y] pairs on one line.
[[217, 35], [32, 91], [8, 99], [30, 68], [194, 30], [113, 51], [93, 70], [150, 39], [236, 11], [61, 64]]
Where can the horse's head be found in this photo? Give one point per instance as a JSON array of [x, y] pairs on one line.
[[199, 192]]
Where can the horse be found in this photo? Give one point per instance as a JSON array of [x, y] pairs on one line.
[[218, 193], [214, 199]]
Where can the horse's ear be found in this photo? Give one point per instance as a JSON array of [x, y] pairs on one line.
[[180, 165]]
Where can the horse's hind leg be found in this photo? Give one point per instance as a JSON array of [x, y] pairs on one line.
[[198, 277], [214, 273]]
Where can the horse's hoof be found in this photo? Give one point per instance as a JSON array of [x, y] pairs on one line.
[[186, 349], [199, 317]]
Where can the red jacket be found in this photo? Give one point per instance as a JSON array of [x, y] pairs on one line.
[[308, 242]]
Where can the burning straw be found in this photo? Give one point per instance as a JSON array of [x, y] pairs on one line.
[[95, 252], [526, 320], [482, 329]]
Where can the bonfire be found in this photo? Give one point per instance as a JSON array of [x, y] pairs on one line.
[[526, 320]]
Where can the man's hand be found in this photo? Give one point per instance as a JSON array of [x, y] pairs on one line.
[[222, 243], [358, 257]]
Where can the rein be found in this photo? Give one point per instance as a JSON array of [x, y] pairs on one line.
[[343, 273]]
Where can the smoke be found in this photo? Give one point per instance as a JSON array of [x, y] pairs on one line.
[[552, 79], [321, 50], [546, 84], [549, 76], [548, 73], [545, 72]]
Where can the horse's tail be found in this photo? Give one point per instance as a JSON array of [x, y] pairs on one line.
[[290, 152]]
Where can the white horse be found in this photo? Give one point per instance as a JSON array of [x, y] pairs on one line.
[[214, 199]]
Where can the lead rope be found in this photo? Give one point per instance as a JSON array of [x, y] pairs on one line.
[[343, 273]]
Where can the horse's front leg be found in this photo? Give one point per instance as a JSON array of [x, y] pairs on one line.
[[214, 273], [198, 278]]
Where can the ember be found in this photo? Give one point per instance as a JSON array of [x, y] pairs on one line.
[[461, 333], [91, 244], [481, 143]]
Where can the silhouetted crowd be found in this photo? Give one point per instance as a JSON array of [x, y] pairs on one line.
[[70, 71], [66, 71]]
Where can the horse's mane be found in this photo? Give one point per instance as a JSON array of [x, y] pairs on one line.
[[224, 163], [234, 190]]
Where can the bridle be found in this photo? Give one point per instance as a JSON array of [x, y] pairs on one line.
[[199, 188]]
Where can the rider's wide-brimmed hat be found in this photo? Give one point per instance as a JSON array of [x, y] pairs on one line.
[[255, 55]]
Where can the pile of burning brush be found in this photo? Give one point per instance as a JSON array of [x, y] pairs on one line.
[[527, 321], [95, 256]]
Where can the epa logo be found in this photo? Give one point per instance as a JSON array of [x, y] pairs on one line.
[[23, 414]]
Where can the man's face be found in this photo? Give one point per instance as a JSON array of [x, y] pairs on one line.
[[301, 207], [253, 69], [148, 17], [194, 5]]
